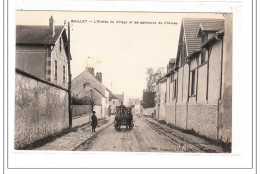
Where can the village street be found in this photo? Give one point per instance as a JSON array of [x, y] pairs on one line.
[[147, 136]]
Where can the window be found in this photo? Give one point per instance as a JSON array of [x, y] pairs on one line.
[[172, 77], [193, 83], [204, 37], [49, 63], [56, 70], [89, 94], [174, 89], [49, 71], [203, 51], [60, 44], [203, 55], [63, 74]]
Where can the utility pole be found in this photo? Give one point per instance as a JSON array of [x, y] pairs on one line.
[[69, 85]]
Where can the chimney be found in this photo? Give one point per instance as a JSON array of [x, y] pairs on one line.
[[91, 70], [99, 76], [52, 26]]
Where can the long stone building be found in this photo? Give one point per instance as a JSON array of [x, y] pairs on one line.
[[198, 88]]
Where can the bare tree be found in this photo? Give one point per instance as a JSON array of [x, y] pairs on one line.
[[153, 76]]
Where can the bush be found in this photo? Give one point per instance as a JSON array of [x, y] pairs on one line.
[[82, 101]]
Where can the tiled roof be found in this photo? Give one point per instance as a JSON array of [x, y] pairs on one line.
[[213, 26], [86, 77], [111, 95], [36, 35], [213, 38], [191, 28]]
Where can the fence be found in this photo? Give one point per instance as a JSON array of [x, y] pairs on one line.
[[78, 110], [41, 109]]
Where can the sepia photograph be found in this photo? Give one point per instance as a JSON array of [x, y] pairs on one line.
[[123, 81]]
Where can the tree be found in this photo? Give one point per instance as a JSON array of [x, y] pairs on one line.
[[152, 77]]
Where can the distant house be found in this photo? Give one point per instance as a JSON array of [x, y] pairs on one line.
[[161, 98], [113, 102], [120, 97], [199, 83], [134, 101], [43, 51], [87, 84]]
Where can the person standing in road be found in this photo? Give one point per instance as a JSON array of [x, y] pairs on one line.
[[94, 121]]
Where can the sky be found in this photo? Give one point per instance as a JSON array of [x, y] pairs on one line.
[[122, 52]]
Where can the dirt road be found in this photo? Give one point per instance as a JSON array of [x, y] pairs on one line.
[[148, 136]]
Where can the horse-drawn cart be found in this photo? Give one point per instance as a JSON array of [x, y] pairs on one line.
[[123, 117]]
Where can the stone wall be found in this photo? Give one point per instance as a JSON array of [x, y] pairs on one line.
[[181, 112], [170, 114], [203, 119], [225, 133], [41, 109]]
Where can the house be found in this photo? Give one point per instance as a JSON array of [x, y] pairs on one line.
[[120, 97], [161, 99], [201, 80], [135, 104], [116, 100], [43, 52], [41, 91], [133, 101], [87, 84], [113, 102]]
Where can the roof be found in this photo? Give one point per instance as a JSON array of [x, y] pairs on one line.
[[111, 95], [84, 92], [191, 27], [211, 26], [37, 34], [213, 38], [86, 77], [163, 79]]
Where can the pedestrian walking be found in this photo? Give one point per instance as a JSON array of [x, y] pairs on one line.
[[94, 121]]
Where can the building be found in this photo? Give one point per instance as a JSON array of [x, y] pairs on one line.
[[161, 99], [195, 87], [120, 97], [43, 51], [135, 104], [87, 84], [113, 102], [41, 90]]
